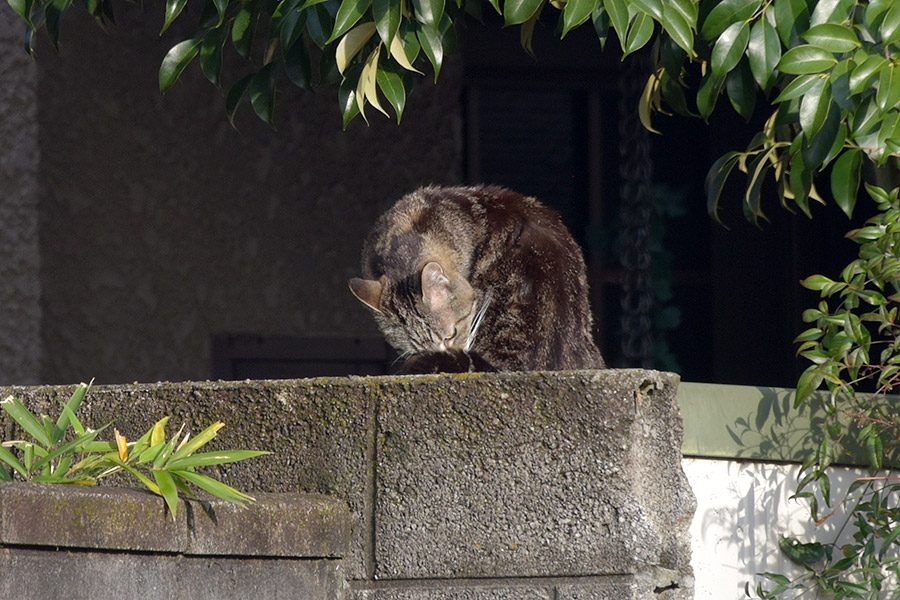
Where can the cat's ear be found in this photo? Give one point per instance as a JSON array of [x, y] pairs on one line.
[[436, 287], [368, 291]]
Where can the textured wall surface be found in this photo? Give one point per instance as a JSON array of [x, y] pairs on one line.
[[122, 543], [161, 226], [20, 290], [506, 486]]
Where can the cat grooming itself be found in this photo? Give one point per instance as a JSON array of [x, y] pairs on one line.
[[477, 278]]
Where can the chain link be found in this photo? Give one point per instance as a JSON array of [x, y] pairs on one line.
[[636, 172]]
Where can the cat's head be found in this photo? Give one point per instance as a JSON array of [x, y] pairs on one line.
[[435, 309]]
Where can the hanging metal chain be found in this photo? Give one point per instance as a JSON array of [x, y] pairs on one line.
[[636, 172]]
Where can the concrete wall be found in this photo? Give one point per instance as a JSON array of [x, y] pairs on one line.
[[486, 486], [20, 260], [61, 541], [154, 225]]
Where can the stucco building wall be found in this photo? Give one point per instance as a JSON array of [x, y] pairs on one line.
[[161, 226]]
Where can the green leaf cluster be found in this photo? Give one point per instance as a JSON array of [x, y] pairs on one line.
[[65, 451]]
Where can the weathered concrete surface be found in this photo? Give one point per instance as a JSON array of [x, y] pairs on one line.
[[60, 541], [104, 518], [20, 260], [556, 474], [513, 476], [37, 575]]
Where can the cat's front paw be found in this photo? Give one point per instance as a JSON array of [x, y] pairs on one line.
[[451, 361]]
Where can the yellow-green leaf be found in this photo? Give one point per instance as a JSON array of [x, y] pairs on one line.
[[352, 43]]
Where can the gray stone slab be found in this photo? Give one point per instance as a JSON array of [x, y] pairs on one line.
[[33, 514], [319, 430], [530, 475], [292, 525], [29, 574], [449, 590]]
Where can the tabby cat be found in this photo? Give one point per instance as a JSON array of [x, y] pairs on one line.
[[477, 278]]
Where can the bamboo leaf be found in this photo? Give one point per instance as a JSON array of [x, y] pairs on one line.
[[10, 459], [212, 458], [26, 420], [216, 488], [167, 490], [67, 416]]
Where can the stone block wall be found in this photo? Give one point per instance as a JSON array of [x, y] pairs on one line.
[[556, 485], [61, 541]]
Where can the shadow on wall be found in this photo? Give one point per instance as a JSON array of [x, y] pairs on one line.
[[744, 472]]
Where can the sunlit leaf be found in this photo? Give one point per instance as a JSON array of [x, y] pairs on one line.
[[806, 59], [167, 490], [429, 12], [764, 52], [433, 48], [391, 84], [352, 43], [639, 33], [26, 420], [212, 458], [516, 12], [651, 8], [619, 17], [830, 11], [387, 19], [173, 9], [577, 12], [791, 17], [729, 48], [726, 14], [832, 37], [888, 94], [216, 488], [349, 13], [677, 25]]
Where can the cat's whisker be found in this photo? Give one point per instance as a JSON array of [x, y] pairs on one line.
[[477, 320]]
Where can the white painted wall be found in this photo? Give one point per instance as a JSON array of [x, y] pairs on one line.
[[743, 509]]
